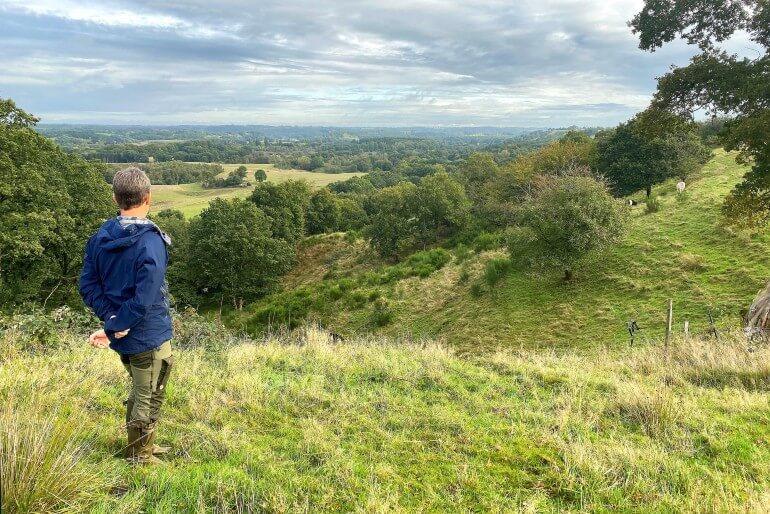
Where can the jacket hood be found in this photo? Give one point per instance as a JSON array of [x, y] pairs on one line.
[[122, 232]]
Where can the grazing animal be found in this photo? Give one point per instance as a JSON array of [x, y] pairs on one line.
[[631, 203]]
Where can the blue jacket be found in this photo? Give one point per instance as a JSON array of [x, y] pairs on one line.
[[124, 283]]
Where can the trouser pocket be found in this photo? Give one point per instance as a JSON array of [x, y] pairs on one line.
[[149, 373], [159, 393]]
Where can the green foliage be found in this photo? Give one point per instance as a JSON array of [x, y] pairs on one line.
[[567, 218], [323, 212], [260, 175], [235, 178], [406, 216], [647, 150], [352, 216], [488, 241], [495, 270], [50, 203], [575, 150], [172, 172], [182, 285], [285, 206], [652, 204], [381, 313], [720, 83], [232, 253]]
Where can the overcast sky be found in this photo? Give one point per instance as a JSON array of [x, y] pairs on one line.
[[317, 62]]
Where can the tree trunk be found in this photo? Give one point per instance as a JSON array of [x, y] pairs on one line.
[[649, 191], [567, 275]]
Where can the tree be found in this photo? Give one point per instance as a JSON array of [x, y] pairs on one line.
[[393, 222], [441, 207], [352, 214], [181, 284], [567, 218], [405, 217], [574, 150], [285, 205], [323, 212], [316, 161], [260, 175], [720, 83], [50, 203], [649, 149], [232, 251]]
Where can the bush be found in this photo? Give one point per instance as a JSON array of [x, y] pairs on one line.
[[426, 262], [381, 313], [462, 253], [652, 205], [488, 241], [495, 270]]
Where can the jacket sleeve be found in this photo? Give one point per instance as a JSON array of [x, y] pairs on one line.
[[150, 276], [90, 286]]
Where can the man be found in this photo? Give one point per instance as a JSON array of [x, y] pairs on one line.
[[123, 282]]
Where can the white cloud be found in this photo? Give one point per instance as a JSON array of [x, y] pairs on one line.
[[328, 61]]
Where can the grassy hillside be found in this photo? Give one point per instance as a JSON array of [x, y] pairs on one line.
[[300, 424], [683, 252], [191, 199]]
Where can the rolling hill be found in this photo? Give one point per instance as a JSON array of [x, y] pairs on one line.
[[683, 252]]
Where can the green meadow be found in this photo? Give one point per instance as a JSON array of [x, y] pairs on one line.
[[191, 199]]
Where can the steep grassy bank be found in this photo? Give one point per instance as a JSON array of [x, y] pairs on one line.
[[300, 424], [682, 251]]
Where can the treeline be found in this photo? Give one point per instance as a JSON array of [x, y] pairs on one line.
[[328, 155], [550, 207], [171, 172]]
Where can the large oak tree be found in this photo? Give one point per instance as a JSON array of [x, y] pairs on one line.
[[720, 82]]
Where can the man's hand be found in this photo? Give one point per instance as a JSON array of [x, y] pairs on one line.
[[121, 335], [99, 339]]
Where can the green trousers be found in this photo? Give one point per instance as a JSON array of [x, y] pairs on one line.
[[149, 372]]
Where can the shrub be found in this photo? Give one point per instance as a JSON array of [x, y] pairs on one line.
[[477, 289], [462, 253], [381, 313], [426, 262], [495, 270], [652, 205], [488, 241]]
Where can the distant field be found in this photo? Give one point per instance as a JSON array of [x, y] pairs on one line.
[[191, 199]]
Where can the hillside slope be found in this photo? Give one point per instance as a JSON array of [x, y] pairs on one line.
[[682, 252], [301, 424]]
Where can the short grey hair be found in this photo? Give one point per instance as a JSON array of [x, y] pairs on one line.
[[130, 186]]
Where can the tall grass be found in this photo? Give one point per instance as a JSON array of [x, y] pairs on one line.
[[42, 464], [301, 423]]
